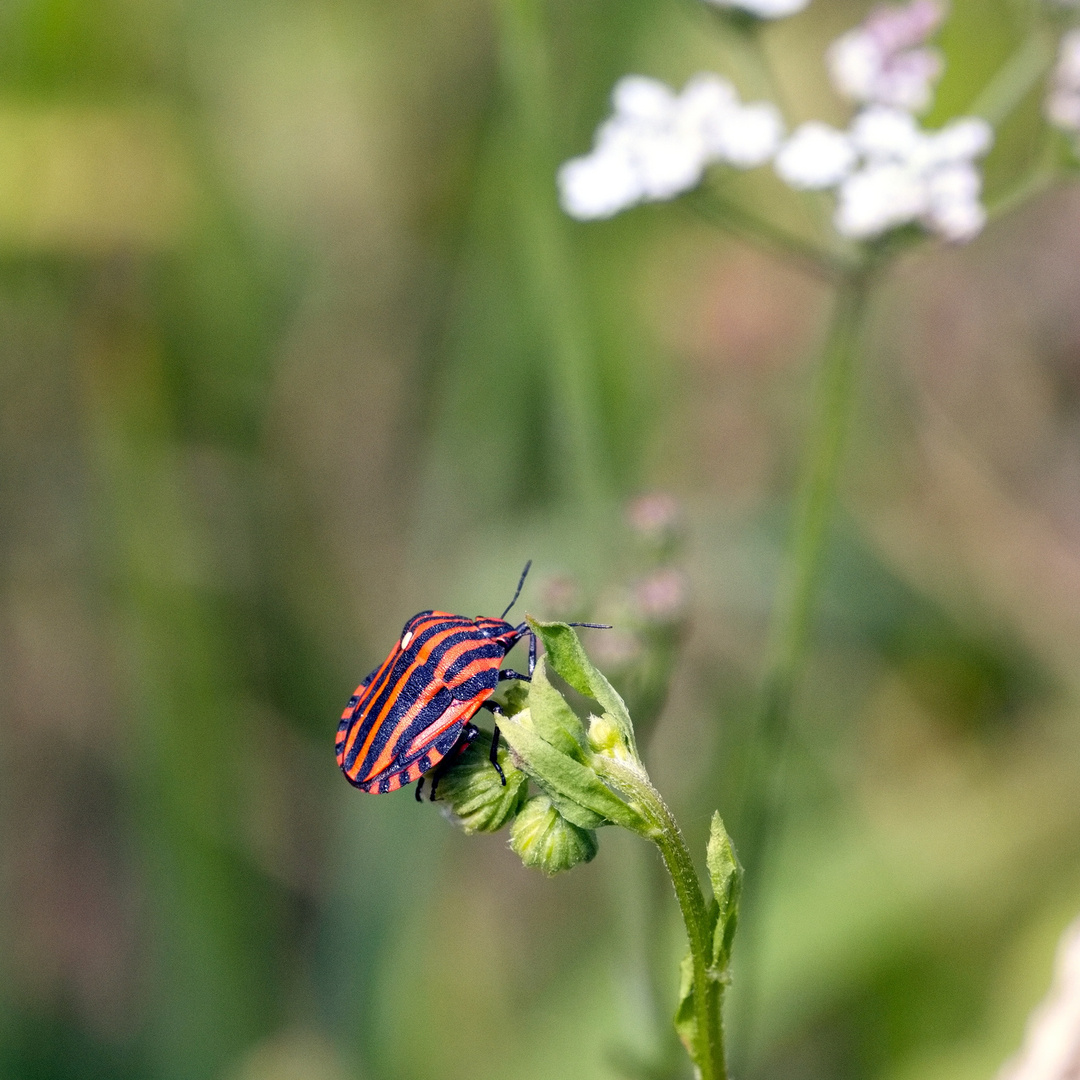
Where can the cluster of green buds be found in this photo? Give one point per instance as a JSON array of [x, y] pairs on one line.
[[554, 828], [585, 778], [569, 766]]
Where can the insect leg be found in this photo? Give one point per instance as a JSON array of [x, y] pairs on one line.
[[532, 653], [468, 733], [493, 757], [510, 673], [420, 790]]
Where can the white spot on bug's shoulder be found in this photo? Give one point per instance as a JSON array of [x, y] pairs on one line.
[[406, 639]]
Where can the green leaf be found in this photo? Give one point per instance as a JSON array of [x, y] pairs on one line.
[[725, 874], [567, 657], [576, 814], [572, 811], [566, 777], [552, 718], [685, 1016]]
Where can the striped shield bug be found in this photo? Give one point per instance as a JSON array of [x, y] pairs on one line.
[[414, 711]]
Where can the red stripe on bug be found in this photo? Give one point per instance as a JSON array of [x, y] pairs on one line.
[[379, 716], [424, 698]]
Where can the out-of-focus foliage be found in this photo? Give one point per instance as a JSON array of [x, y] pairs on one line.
[[293, 344]]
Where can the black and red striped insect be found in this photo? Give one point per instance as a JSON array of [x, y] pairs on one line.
[[414, 710]]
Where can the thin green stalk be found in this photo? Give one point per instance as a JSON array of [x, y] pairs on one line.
[[666, 834], [746, 225], [1047, 171], [798, 590], [748, 58], [1037, 182], [749, 36], [833, 401], [1015, 79]]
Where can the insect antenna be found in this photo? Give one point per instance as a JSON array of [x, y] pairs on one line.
[[521, 582], [593, 625]]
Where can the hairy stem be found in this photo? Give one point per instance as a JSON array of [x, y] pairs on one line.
[[666, 834]]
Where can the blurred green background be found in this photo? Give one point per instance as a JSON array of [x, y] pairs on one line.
[[293, 344]]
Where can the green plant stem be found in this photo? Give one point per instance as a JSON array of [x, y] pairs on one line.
[[830, 421], [749, 38], [748, 58], [797, 593], [1015, 79], [666, 834], [1031, 186]]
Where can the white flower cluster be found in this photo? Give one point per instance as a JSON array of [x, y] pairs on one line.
[[890, 172], [887, 170], [657, 144], [1063, 104], [885, 60], [764, 9]]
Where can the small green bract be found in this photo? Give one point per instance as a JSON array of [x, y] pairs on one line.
[[543, 838], [472, 793]]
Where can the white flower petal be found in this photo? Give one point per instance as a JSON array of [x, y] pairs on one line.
[[668, 164], [704, 106], [765, 9], [884, 60], [1052, 1037], [884, 133], [879, 198], [904, 26], [598, 185], [855, 64], [958, 220], [962, 140], [1068, 69], [637, 97], [816, 156], [1063, 110], [657, 143], [707, 97], [907, 82], [1063, 103], [750, 135], [616, 135], [955, 183], [955, 211]]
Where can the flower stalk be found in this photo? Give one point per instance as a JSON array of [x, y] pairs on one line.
[[706, 1046], [831, 414]]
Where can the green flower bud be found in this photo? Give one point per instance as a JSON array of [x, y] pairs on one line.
[[543, 838], [473, 795], [606, 737]]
